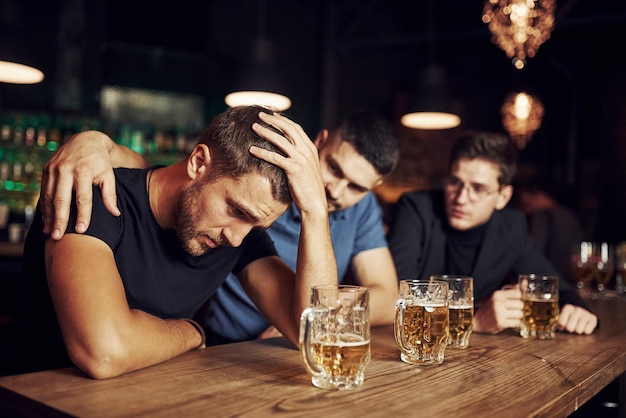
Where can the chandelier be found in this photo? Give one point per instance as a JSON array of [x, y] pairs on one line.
[[521, 117], [519, 27]]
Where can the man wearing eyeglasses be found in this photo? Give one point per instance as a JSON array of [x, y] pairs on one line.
[[467, 229]]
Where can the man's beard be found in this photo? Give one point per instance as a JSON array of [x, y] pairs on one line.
[[187, 218]]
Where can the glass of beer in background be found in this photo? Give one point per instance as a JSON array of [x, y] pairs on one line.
[[460, 307], [540, 294], [335, 336], [603, 266], [582, 266], [421, 324]]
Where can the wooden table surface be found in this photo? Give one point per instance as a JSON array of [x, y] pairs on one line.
[[498, 375]]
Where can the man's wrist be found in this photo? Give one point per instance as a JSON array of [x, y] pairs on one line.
[[200, 330]]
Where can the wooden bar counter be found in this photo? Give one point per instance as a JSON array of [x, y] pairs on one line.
[[498, 375]]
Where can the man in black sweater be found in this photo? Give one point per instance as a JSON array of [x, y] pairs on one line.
[[466, 229]]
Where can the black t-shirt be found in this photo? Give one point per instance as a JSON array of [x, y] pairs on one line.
[[158, 276]]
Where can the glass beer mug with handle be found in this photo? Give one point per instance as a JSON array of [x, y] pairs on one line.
[[540, 295], [335, 336], [422, 322]]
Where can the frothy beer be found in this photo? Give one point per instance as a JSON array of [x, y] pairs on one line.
[[461, 317], [540, 317], [335, 336], [343, 357], [423, 332]]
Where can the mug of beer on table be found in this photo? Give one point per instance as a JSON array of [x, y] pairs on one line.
[[335, 336], [540, 295], [460, 308], [421, 324]]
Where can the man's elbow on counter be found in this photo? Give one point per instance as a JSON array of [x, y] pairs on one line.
[[99, 361]]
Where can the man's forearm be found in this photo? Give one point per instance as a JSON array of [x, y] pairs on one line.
[[87, 158], [316, 263], [125, 157], [94, 142], [120, 155]]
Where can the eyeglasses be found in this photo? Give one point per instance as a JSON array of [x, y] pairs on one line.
[[475, 191]]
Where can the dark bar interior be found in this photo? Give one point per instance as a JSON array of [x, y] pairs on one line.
[[151, 74]]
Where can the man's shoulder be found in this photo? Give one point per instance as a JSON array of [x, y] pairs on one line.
[[130, 182], [132, 200], [430, 200], [510, 213], [128, 174], [511, 218], [422, 195]]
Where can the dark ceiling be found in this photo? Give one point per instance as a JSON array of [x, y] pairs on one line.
[[333, 55]]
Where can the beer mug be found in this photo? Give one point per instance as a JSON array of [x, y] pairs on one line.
[[540, 295], [335, 336], [421, 324], [460, 308]]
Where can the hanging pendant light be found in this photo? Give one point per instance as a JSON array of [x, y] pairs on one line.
[[20, 61], [15, 73], [258, 84], [522, 114], [432, 106]]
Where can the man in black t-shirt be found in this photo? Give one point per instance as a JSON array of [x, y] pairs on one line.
[[122, 291]]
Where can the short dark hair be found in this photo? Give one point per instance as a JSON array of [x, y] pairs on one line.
[[494, 147], [229, 137], [373, 137]]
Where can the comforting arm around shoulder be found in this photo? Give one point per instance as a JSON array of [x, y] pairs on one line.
[[86, 159]]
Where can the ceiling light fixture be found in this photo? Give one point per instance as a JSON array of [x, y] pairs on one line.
[[522, 114], [519, 27], [258, 84], [15, 73], [431, 105]]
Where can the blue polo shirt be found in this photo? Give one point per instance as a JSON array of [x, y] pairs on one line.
[[231, 316]]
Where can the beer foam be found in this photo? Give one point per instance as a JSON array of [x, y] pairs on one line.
[[342, 340]]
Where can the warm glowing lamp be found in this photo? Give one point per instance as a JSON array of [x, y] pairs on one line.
[[519, 27], [522, 114], [263, 98], [15, 73], [432, 106], [258, 84]]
